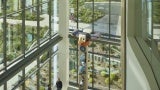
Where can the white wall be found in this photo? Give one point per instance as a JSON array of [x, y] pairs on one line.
[[136, 79], [139, 73]]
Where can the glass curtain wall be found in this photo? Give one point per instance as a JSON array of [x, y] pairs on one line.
[[100, 17], [44, 19], [1, 35], [148, 32], [33, 80], [13, 32], [156, 23], [73, 58], [54, 19], [25, 26], [31, 19], [155, 37], [14, 81]]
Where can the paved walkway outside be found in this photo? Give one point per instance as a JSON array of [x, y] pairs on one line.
[[43, 23], [101, 25]]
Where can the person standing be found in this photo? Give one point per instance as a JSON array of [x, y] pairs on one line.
[[59, 84], [49, 87]]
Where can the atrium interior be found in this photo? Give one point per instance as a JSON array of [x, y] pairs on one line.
[[39, 44]]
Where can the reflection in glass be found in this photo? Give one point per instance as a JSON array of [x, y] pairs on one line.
[[31, 3], [31, 83], [54, 16], [73, 64], [73, 61], [102, 17], [52, 72], [30, 73], [12, 6], [30, 29], [44, 22], [1, 9], [156, 23], [14, 36], [149, 28], [1, 46], [44, 76], [14, 81], [31, 67], [44, 57]]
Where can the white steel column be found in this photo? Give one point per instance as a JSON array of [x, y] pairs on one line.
[[63, 46], [55, 29], [54, 61]]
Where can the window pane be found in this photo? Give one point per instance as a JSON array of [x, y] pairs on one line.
[[44, 76], [156, 23], [73, 61], [14, 36], [12, 5], [1, 46], [14, 81], [103, 18], [155, 46], [31, 67], [30, 72], [44, 21], [31, 28], [52, 72], [30, 3], [31, 82], [55, 16], [1, 10], [73, 64]]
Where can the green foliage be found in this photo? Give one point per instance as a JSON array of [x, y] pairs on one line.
[[92, 45], [103, 73], [42, 88], [10, 57], [115, 47], [119, 83], [112, 76], [100, 0], [73, 41], [17, 44], [44, 57], [103, 46], [106, 81], [73, 70], [85, 14], [1, 14], [156, 12], [28, 16], [1, 42], [120, 80], [32, 70], [43, 30], [90, 80], [32, 16]]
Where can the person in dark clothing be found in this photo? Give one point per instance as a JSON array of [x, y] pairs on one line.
[[59, 84], [49, 87]]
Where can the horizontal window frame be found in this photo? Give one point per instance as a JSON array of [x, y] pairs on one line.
[[5, 76]]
